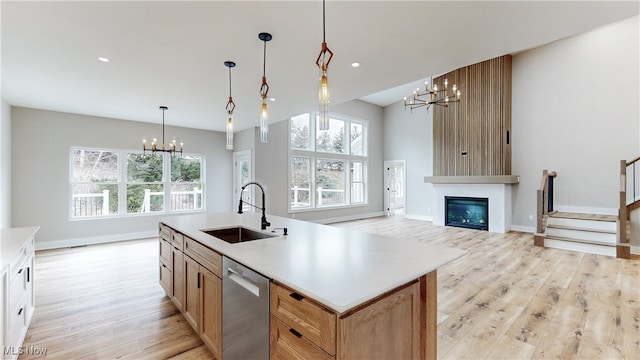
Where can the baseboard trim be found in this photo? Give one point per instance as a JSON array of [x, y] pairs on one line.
[[348, 218], [527, 229], [419, 217], [57, 244]]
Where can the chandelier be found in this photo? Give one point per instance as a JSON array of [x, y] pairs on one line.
[[323, 65], [230, 107], [172, 148], [264, 91], [433, 96]]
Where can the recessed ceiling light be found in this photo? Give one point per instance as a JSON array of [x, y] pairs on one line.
[[103, 59], [355, 64], [272, 99]]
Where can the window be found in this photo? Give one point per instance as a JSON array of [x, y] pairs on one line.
[[145, 190], [121, 183], [300, 182], [186, 183], [94, 183], [330, 182], [327, 171]]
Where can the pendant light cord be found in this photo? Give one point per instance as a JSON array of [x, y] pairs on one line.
[[264, 60], [163, 127], [229, 82], [323, 23]]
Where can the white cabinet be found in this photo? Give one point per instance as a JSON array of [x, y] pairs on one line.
[[17, 287]]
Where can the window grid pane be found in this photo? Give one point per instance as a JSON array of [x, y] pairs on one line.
[[300, 182], [357, 140], [357, 182], [145, 198], [301, 132], [330, 182], [332, 140]]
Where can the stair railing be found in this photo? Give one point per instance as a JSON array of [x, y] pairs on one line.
[[629, 195], [544, 199]]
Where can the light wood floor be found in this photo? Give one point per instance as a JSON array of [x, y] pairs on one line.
[[504, 299]]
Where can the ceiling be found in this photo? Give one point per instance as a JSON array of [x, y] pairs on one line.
[[172, 52]]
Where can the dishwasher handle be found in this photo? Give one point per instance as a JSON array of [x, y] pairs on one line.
[[244, 282]]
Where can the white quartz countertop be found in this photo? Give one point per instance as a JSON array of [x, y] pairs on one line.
[[337, 267], [11, 239]]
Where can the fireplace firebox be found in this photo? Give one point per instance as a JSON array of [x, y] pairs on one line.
[[467, 212]]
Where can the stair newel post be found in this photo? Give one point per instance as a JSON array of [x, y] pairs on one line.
[[542, 202], [550, 178], [622, 251]]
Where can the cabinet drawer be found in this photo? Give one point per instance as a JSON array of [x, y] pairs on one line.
[[164, 231], [165, 250], [286, 343], [177, 239], [308, 318], [205, 256], [18, 263]]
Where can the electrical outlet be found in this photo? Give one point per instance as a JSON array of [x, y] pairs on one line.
[[530, 217]]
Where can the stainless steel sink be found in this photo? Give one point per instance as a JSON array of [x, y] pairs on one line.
[[237, 234]]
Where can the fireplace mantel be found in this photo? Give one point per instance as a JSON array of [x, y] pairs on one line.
[[496, 179]]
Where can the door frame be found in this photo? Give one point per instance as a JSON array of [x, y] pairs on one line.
[[385, 196], [239, 155]]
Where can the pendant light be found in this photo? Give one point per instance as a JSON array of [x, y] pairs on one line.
[[323, 65], [172, 148], [264, 91], [230, 107]]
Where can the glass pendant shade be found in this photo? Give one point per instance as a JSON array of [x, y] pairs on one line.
[[264, 124], [323, 98], [230, 133]]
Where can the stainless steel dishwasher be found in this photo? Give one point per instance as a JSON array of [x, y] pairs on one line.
[[245, 312]]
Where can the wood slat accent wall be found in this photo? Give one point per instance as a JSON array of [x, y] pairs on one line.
[[478, 125]]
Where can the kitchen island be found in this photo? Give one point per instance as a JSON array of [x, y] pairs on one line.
[[335, 293]]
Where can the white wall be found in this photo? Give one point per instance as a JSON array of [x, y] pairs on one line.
[[409, 136], [576, 111], [5, 165], [40, 172]]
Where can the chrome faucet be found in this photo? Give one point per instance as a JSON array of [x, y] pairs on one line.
[[263, 223]]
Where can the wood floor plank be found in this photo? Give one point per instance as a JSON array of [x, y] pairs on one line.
[[505, 299]]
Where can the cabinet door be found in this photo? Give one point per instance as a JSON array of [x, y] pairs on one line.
[[165, 277], [386, 329], [192, 292], [31, 300], [177, 259], [211, 311]]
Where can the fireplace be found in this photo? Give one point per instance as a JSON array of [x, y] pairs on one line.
[[467, 212]]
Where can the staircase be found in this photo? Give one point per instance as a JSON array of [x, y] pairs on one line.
[[592, 233], [589, 233]]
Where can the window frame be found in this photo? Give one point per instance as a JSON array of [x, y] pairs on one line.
[[123, 183], [314, 155]]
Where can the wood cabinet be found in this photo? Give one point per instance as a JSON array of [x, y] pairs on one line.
[[387, 327], [398, 324], [211, 311], [192, 292], [177, 277], [195, 284], [16, 287]]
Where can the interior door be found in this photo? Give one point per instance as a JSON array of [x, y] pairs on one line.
[[242, 174], [394, 186]]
